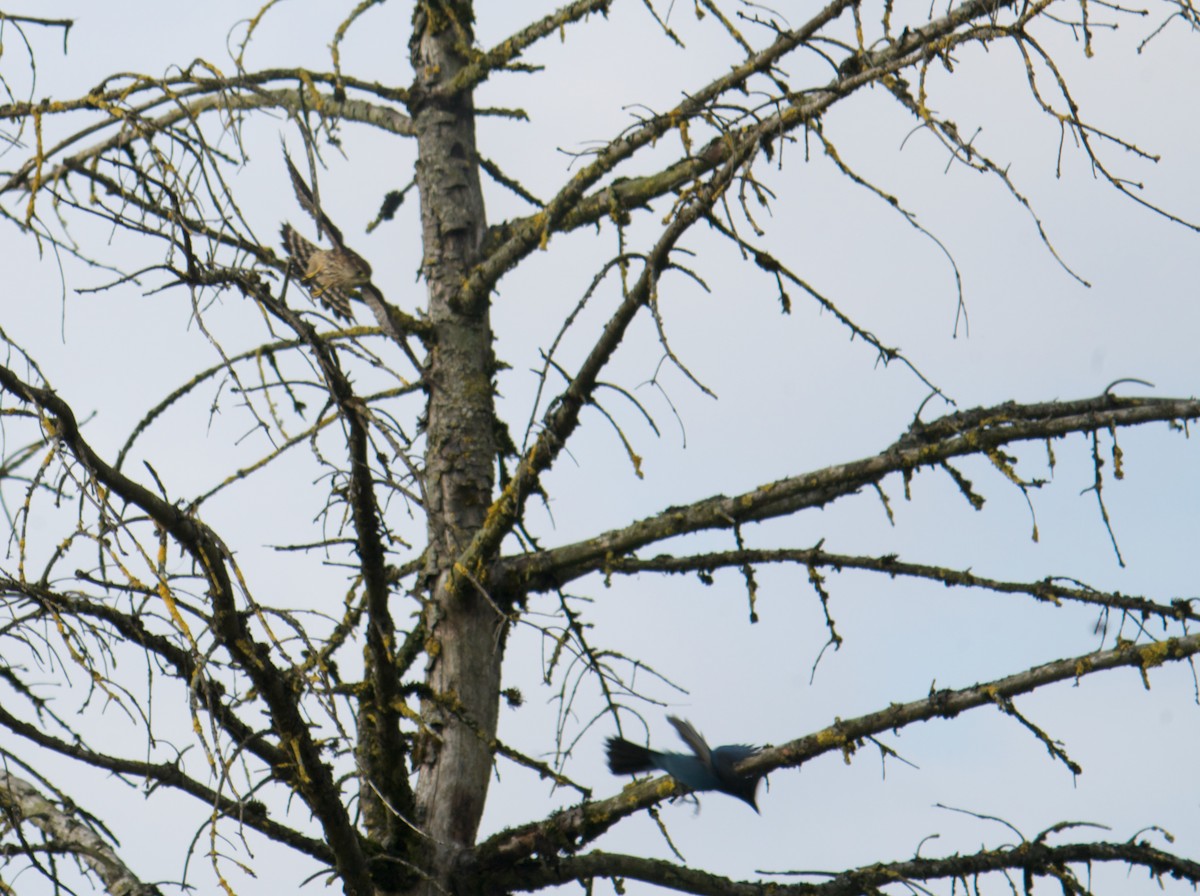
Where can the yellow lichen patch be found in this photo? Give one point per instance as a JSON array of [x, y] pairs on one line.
[[302, 776], [50, 426], [39, 158], [1157, 654], [684, 137], [1001, 463], [499, 509], [248, 654], [830, 737], [310, 88], [168, 599], [198, 730]]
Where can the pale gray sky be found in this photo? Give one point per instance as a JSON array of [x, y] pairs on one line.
[[794, 394]]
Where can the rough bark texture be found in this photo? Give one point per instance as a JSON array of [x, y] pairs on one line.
[[62, 825], [465, 630]]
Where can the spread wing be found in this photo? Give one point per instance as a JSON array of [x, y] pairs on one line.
[[692, 738], [309, 203], [302, 253], [300, 249]]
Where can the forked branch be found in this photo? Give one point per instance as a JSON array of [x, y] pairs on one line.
[[958, 435], [569, 830]]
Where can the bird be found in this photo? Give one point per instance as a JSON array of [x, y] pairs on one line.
[[704, 769], [333, 275]]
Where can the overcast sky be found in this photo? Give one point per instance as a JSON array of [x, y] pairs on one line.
[[794, 394]]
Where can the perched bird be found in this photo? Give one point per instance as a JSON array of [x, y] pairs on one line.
[[331, 275], [705, 769]]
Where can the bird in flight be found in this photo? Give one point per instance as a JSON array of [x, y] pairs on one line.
[[705, 768]]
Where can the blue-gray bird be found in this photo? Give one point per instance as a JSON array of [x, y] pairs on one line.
[[705, 769]]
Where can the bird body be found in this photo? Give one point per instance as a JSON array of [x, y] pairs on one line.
[[331, 275], [704, 768]]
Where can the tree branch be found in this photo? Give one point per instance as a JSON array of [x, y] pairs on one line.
[[497, 58], [524, 235], [1047, 590], [170, 775], [1036, 858], [565, 832], [184, 665], [562, 417], [21, 801], [308, 772], [188, 98], [957, 435], [573, 207]]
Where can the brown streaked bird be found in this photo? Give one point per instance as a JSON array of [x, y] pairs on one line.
[[333, 275]]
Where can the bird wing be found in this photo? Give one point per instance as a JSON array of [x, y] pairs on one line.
[[309, 203], [301, 251], [734, 753], [692, 738]]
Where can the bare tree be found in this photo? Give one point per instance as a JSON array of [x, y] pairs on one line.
[[355, 724]]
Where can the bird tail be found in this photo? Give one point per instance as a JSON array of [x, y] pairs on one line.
[[625, 758]]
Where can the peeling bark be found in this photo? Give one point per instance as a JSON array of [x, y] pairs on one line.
[[465, 629], [21, 801]]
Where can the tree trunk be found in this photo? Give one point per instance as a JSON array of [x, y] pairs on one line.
[[465, 629]]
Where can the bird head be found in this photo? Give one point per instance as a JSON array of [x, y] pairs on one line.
[[743, 786]]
